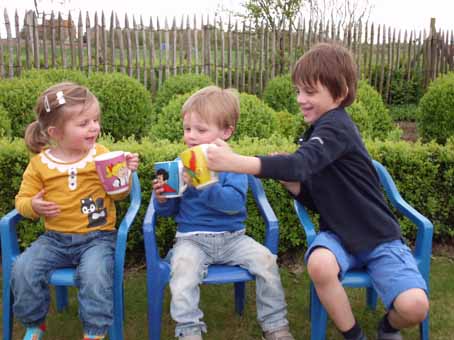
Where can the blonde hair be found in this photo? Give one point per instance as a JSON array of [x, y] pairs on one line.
[[213, 104], [54, 107]]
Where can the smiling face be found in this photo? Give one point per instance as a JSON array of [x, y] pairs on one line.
[[198, 131], [79, 133], [315, 101]]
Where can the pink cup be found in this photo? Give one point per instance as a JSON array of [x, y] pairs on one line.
[[113, 171]]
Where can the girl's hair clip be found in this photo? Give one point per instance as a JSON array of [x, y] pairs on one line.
[[60, 98], [46, 104]]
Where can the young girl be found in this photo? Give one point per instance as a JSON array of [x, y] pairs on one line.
[[58, 184]]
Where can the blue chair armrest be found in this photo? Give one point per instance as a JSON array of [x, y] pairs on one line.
[[149, 234], [423, 248], [8, 237], [271, 223], [125, 225], [305, 222]]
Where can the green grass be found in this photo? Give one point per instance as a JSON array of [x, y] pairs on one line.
[[223, 323]]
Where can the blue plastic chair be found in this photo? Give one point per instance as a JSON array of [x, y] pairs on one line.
[[63, 278], [360, 278], [158, 270]]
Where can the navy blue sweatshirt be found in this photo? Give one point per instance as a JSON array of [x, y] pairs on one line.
[[338, 181]]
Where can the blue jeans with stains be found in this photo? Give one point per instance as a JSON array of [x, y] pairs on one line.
[[92, 254], [189, 260]]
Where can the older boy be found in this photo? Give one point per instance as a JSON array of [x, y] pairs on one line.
[[211, 227], [332, 173]]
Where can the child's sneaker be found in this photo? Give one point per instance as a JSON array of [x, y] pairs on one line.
[[383, 335], [94, 337], [278, 334], [35, 333], [191, 337]]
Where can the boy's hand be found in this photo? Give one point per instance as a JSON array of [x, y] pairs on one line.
[[187, 179], [219, 158], [132, 161], [42, 207], [158, 190]]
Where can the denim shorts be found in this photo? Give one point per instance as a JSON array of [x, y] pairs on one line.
[[391, 265]]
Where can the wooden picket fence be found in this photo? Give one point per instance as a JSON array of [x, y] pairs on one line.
[[235, 53]]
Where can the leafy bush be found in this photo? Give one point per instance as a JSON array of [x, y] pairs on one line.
[[290, 125], [5, 123], [125, 104], [381, 123], [54, 76], [436, 110], [280, 95], [359, 115], [424, 174], [404, 112], [18, 97], [176, 85], [256, 119]]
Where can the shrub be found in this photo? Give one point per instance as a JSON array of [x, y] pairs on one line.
[[280, 95], [381, 123], [54, 76], [170, 125], [436, 110], [18, 97], [5, 123], [405, 112], [176, 85], [125, 104], [290, 125], [256, 119], [359, 115]]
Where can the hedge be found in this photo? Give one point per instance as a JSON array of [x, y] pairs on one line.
[[125, 103], [424, 174], [435, 120]]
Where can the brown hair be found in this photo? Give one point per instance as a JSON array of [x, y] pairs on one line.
[[54, 107], [332, 65], [213, 104]]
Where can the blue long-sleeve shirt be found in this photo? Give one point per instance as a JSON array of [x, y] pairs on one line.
[[339, 181], [219, 207]]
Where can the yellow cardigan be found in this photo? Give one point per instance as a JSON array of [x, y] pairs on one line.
[[74, 187]]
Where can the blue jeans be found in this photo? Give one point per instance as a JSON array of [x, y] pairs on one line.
[[92, 253], [190, 258]]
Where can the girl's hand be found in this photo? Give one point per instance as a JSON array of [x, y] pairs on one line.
[[44, 208], [158, 190], [132, 161]]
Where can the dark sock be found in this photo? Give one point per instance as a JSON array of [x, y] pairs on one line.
[[386, 326], [353, 333]]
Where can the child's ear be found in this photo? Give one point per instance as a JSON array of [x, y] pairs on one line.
[[53, 132], [228, 132]]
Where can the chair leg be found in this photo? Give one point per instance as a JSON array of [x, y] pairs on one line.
[[424, 329], [61, 293], [240, 293], [319, 317], [7, 311], [371, 297]]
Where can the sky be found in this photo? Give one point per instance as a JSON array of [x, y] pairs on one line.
[[399, 14]]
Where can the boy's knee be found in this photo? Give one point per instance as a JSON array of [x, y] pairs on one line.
[[322, 266], [413, 305]]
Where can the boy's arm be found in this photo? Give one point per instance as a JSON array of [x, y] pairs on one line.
[[168, 208], [223, 158], [228, 197]]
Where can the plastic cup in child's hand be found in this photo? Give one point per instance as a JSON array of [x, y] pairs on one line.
[[170, 173], [195, 163], [113, 171]]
